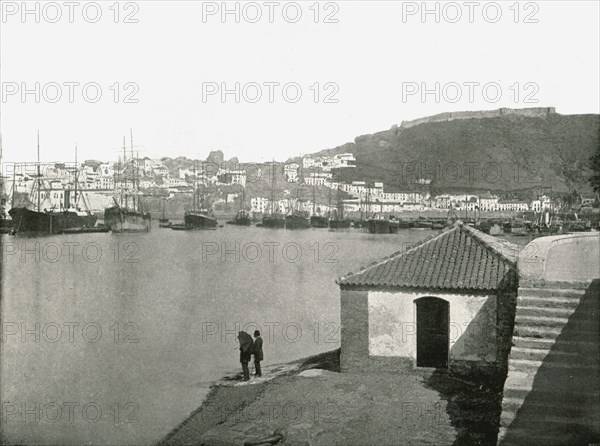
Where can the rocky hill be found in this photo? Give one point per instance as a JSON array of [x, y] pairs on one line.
[[504, 153]]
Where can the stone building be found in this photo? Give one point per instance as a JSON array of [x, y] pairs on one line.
[[527, 318], [447, 302]]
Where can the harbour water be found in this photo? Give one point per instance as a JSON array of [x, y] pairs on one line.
[[115, 338], [85, 316]]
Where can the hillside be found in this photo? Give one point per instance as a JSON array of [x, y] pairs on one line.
[[502, 154]]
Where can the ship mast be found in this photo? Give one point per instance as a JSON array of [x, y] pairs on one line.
[[272, 186], [313, 195], [38, 171], [133, 173], [124, 176], [1, 175], [243, 200], [329, 204], [195, 196], [339, 212], [202, 204], [2, 186], [76, 172], [14, 187]]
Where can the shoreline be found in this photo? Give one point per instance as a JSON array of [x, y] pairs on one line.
[[309, 402], [239, 394]]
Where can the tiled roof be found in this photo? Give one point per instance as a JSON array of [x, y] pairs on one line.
[[456, 258]]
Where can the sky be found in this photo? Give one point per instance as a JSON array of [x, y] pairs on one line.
[[326, 72]]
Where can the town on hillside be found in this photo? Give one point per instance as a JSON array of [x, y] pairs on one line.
[[294, 182]]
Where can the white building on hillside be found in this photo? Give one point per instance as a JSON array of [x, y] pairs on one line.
[[291, 172]]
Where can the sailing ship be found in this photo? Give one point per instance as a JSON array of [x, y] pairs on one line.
[[297, 218], [339, 222], [515, 226], [378, 225], [273, 219], [200, 216], [5, 221], [547, 223], [163, 221], [68, 217], [128, 213], [242, 218], [318, 220]]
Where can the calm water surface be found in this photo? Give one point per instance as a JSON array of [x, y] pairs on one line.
[[114, 339]]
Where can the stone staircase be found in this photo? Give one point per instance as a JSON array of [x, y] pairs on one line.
[[552, 391]]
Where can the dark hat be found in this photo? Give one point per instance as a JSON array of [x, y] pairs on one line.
[[256, 333]]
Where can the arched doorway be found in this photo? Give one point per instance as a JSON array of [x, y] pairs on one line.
[[433, 325]]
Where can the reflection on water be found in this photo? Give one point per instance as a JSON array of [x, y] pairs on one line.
[[114, 339]]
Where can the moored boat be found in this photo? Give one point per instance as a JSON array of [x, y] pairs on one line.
[[340, 224], [378, 226], [319, 221], [272, 219], [27, 221], [163, 221], [423, 224], [242, 217], [128, 214], [55, 220], [297, 220], [199, 219], [121, 219]]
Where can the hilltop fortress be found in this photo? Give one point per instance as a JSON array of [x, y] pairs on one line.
[[534, 112]]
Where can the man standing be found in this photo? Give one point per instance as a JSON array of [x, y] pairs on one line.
[[258, 352], [246, 349]]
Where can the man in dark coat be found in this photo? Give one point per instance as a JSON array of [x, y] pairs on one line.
[[245, 357], [258, 352]]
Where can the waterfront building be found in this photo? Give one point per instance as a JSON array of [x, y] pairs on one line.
[[488, 202], [259, 204], [491, 312], [424, 308], [542, 203], [512, 205]]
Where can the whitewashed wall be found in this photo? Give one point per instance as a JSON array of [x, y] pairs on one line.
[[392, 325]]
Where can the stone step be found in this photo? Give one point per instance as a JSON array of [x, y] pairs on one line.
[[523, 310], [551, 405], [555, 302], [543, 321], [588, 347], [539, 354], [519, 436], [587, 334], [533, 365], [539, 420], [547, 410], [520, 391], [551, 292], [574, 384]]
